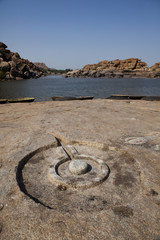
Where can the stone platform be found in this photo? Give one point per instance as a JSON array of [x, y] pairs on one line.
[[80, 170]]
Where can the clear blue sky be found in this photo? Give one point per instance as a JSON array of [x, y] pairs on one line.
[[73, 33]]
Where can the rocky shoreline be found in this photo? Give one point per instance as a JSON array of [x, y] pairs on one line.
[[128, 68], [13, 67]]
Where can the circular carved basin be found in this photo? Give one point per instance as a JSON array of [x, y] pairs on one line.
[[83, 172]]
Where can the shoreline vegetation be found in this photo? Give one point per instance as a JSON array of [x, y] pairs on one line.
[[13, 67], [52, 71]]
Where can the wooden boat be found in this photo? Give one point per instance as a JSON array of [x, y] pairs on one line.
[[116, 96], [151, 98], [3, 101], [85, 98], [132, 97], [119, 96], [19, 100], [61, 98]]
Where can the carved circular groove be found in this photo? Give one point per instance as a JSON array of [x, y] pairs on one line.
[[67, 192], [80, 166]]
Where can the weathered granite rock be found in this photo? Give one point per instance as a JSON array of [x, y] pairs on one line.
[[41, 65], [2, 45], [74, 73], [15, 67], [5, 54], [156, 69], [78, 167], [125, 206], [132, 67], [4, 66]]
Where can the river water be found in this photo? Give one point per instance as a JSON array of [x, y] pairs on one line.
[[44, 88]]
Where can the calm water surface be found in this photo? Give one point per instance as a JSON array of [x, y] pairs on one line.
[[46, 87]]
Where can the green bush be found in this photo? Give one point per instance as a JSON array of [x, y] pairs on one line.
[[59, 71], [2, 75]]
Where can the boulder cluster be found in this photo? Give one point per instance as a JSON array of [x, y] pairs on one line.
[[41, 65], [128, 68], [12, 66]]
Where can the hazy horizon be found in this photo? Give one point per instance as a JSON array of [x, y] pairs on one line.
[[70, 34]]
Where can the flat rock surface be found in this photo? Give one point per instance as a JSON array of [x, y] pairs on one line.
[[125, 135]]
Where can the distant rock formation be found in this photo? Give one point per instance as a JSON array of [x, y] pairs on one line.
[[51, 71], [155, 67], [128, 68], [41, 65], [12, 66]]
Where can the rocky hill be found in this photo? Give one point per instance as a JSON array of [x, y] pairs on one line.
[[12, 66], [51, 71], [41, 65], [132, 67]]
